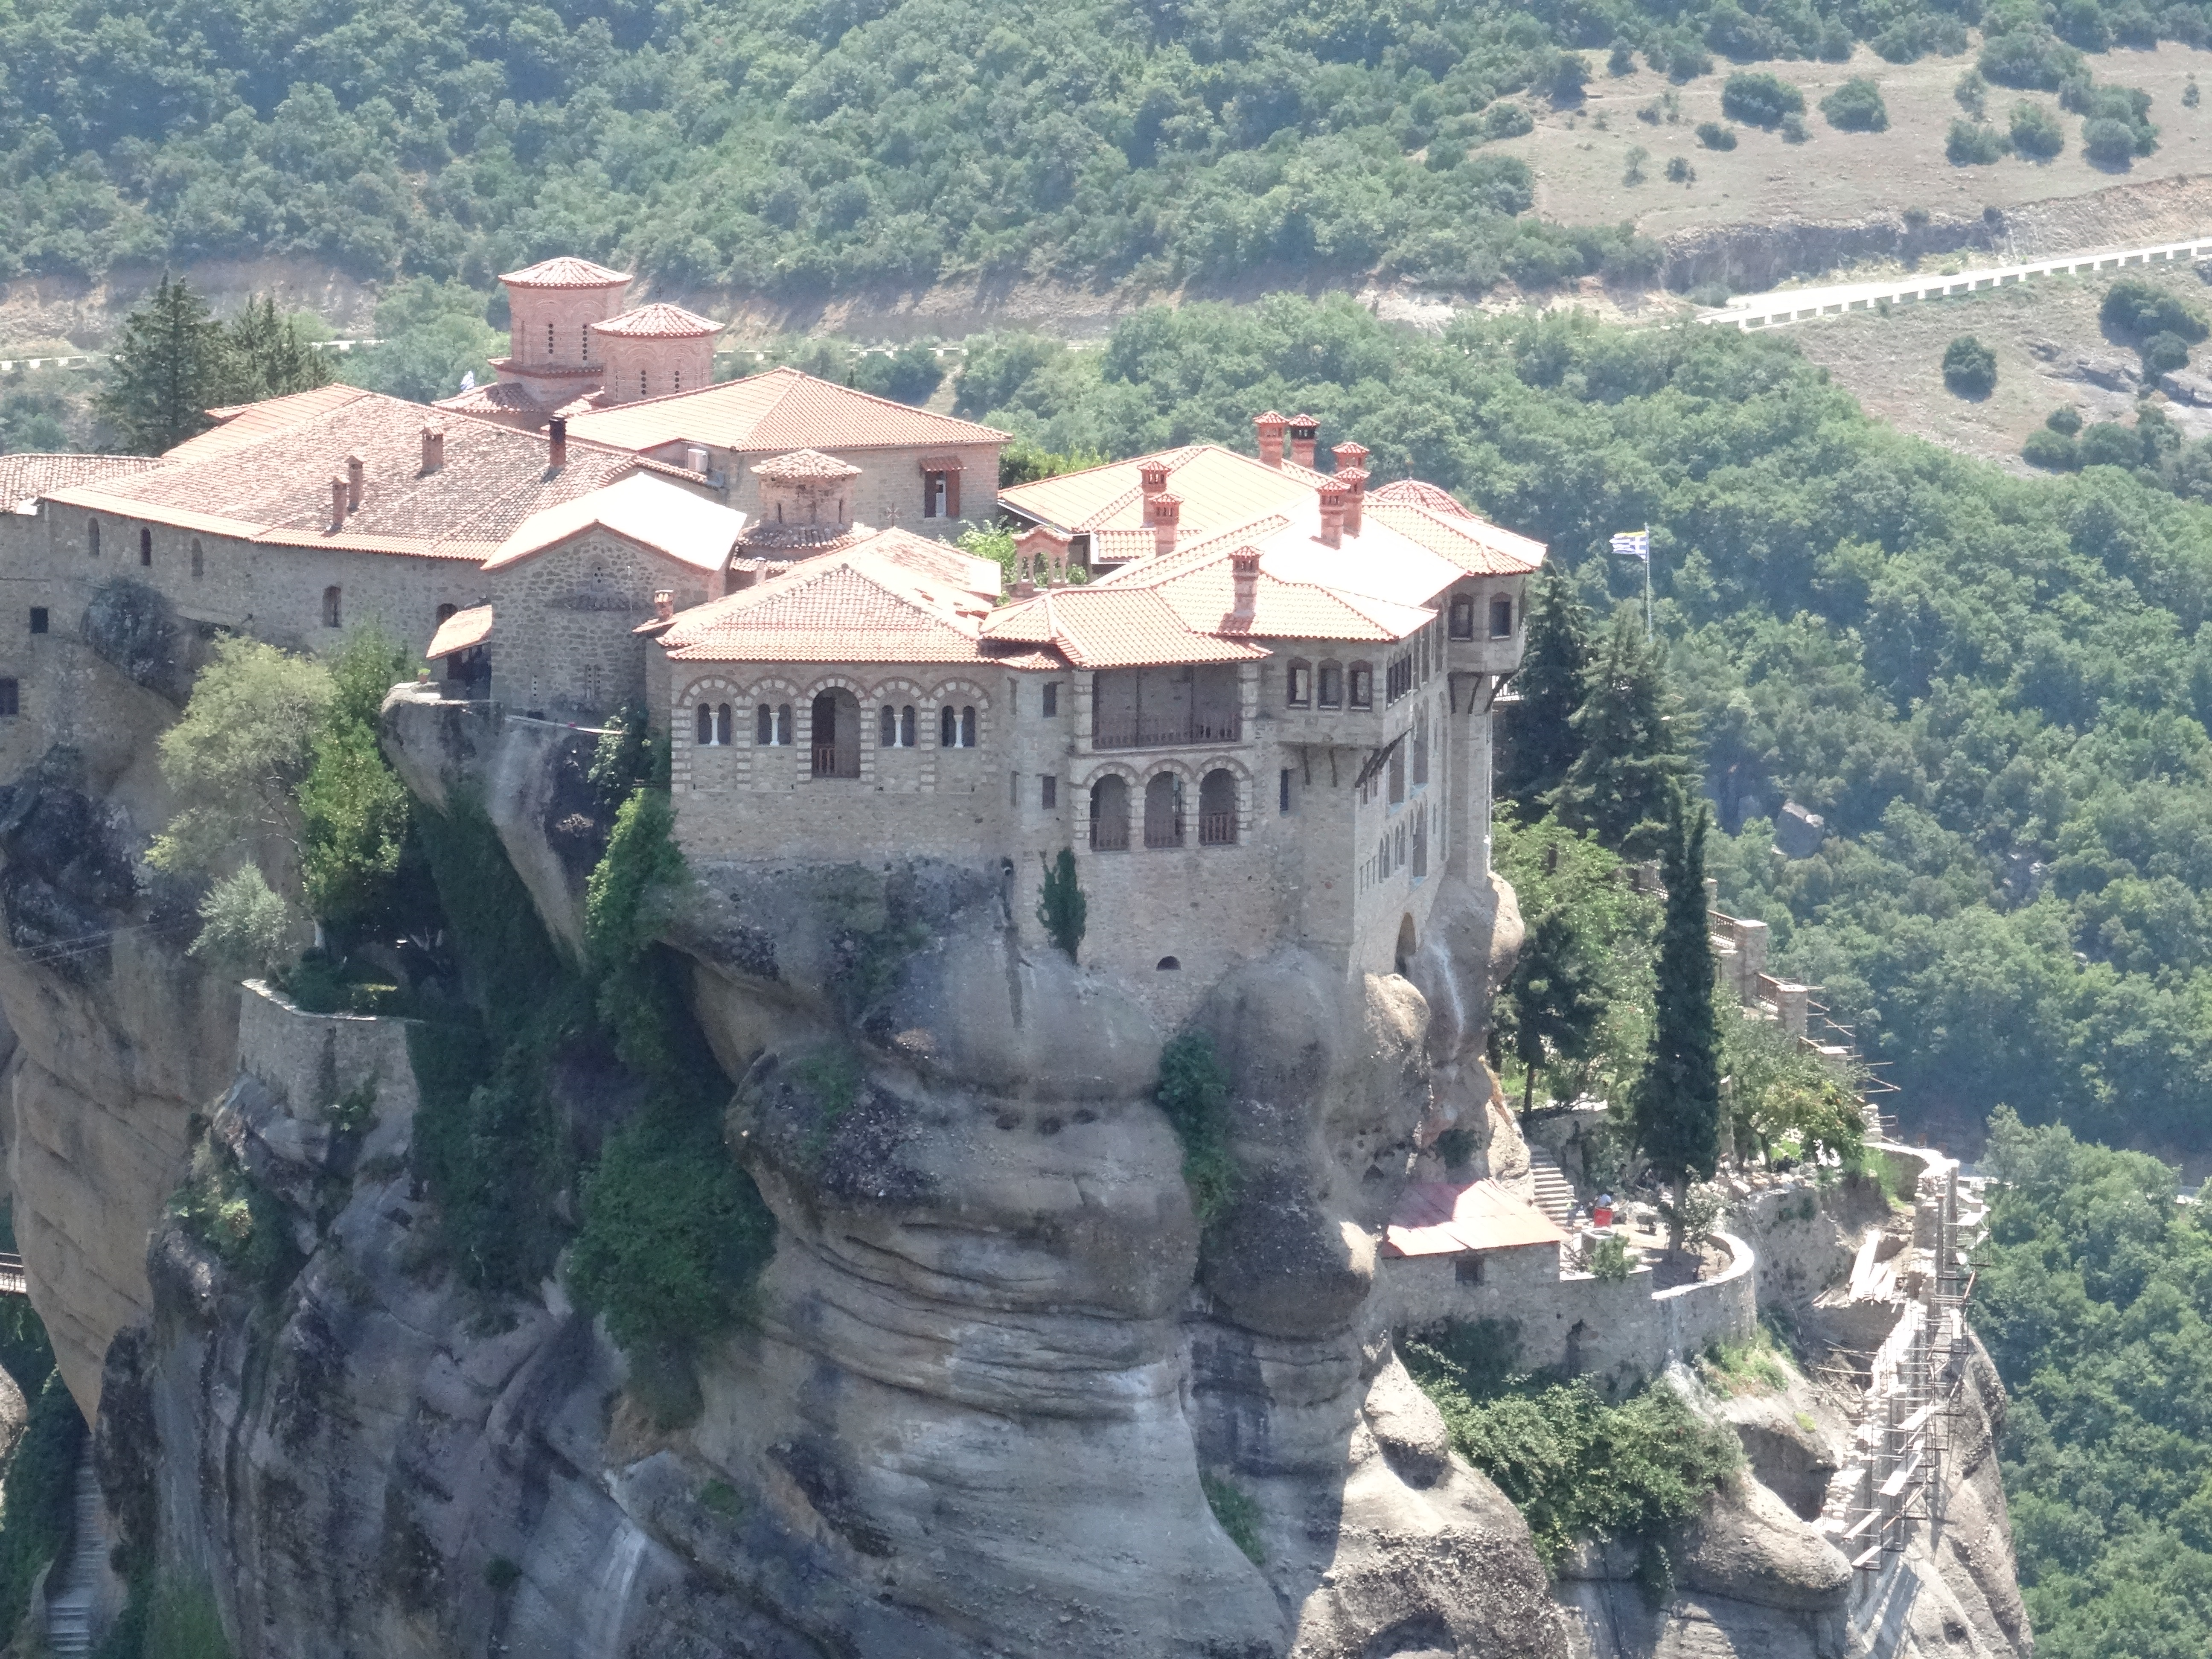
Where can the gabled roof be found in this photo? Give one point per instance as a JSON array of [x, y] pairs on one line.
[[650, 511], [1113, 627], [1436, 1217], [658, 321], [776, 412], [566, 270], [249, 423], [859, 604], [1476, 546], [1218, 487], [273, 485], [25, 477]]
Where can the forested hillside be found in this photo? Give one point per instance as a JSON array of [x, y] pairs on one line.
[[1995, 688], [826, 143]]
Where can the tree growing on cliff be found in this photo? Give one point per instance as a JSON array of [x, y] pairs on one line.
[[353, 807], [1062, 906], [1553, 1001], [1555, 659], [1628, 761], [1676, 1102], [171, 365]]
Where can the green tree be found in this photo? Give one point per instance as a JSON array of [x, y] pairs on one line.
[[430, 334], [268, 357], [354, 809], [1970, 369], [1677, 1101], [1627, 757], [170, 366], [1554, 662], [1857, 106], [235, 757], [1062, 907], [1551, 1000]]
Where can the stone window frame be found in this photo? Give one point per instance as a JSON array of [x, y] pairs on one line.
[[1462, 616], [1359, 683], [1297, 683], [1084, 788], [1501, 606], [1329, 683], [959, 693], [908, 697]]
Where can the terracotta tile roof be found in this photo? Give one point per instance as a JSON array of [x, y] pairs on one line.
[[1287, 609], [566, 272], [1416, 492], [1219, 487], [658, 321], [778, 411], [1435, 1218], [850, 606], [249, 423], [649, 511], [459, 631], [1113, 627], [1474, 544], [25, 477], [275, 489], [499, 397], [804, 464]]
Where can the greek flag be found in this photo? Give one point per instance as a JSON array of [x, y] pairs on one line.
[[1634, 544]]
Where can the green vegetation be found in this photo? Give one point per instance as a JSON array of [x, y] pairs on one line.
[[1970, 369], [1756, 1365], [1713, 136], [225, 1209], [430, 335], [173, 361], [37, 1500], [1062, 910], [1610, 1259], [1575, 1466], [2092, 1300], [1760, 100], [2035, 131], [1857, 106], [353, 809], [1238, 1512], [1193, 1091], [1628, 742], [1970, 143], [1676, 1102]]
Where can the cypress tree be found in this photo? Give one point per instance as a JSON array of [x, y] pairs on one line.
[[1551, 999], [1677, 1101], [171, 363], [1627, 762], [1062, 905], [1555, 660]]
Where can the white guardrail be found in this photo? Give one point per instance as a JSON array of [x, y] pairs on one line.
[[1780, 306]]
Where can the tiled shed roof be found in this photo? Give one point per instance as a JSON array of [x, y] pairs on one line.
[[459, 631], [1435, 1218], [275, 488], [777, 412], [566, 272], [496, 398], [1113, 627], [1476, 546], [25, 477], [658, 321]]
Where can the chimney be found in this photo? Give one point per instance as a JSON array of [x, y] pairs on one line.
[[1350, 457], [1332, 513], [1244, 579], [434, 448], [337, 501], [355, 467], [1306, 432], [1167, 513], [556, 433], [1269, 429], [664, 605], [695, 458], [1154, 477], [1354, 480]]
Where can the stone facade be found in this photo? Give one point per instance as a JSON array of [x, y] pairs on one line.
[[565, 640], [888, 494]]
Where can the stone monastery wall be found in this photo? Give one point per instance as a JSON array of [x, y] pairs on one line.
[[888, 493], [564, 619]]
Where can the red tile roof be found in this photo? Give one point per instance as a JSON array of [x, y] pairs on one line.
[[650, 511], [1219, 487], [1416, 492], [1435, 1218], [1476, 546], [459, 631], [249, 423], [777, 412], [804, 463], [1113, 627], [25, 477], [497, 397], [855, 605], [273, 486], [566, 272], [658, 321]]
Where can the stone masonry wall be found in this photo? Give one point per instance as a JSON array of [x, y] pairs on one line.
[[887, 492], [563, 637]]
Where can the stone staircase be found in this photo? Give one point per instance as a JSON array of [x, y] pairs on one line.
[[1555, 1195], [73, 1586]]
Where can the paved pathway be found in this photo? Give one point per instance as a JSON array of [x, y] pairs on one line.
[[1778, 306]]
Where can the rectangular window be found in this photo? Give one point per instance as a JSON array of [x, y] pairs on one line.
[[1468, 1270], [1462, 617], [1052, 700], [936, 491], [1501, 619], [9, 705], [1283, 793], [37, 619], [1013, 789], [1049, 791]]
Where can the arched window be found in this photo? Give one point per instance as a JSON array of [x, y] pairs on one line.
[[1163, 810], [1332, 685], [1109, 815], [145, 545], [331, 607], [1501, 619], [445, 611], [1360, 685], [1383, 857], [906, 727], [1297, 682], [783, 736], [1462, 616], [707, 724], [722, 733], [1167, 965], [1217, 808], [1421, 844], [764, 726], [887, 727], [967, 728], [948, 727], [1420, 748], [200, 569], [92, 537], [1397, 773]]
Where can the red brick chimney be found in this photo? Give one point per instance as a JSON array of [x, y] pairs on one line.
[[337, 501], [1167, 513], [1350, 457], [1354, 480], [1244, 581], [664, 605], [1269, 429], [1332, 513], [1306, 432], [556, 433], [356, 468], [434, 448]]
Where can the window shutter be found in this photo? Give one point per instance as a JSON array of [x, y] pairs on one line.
[[952, 494]]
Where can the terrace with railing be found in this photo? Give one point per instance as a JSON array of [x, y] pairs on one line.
[[1188, 732]]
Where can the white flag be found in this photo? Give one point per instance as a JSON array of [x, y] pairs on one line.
[[1633, 545]]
